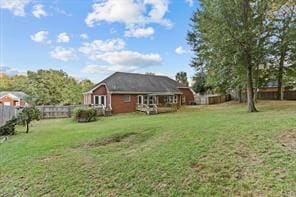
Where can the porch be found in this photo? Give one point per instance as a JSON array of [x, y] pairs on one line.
[[158, 103]]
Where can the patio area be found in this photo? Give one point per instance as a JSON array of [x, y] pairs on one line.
[[158, 103]]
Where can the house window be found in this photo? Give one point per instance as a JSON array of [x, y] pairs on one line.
[[151, 101], [140, 99], [126, 98], [172, 99], [145, 100], [103, 100], [100, 100]]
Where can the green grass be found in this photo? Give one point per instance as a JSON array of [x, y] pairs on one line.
[[202, 151]]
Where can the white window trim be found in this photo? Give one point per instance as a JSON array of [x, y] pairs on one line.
[[147, 100], [129, 98], [173, 99], [142, 99], [100, 101]]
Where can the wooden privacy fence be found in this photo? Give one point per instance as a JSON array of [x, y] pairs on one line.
[[57, 111], [267, 95], [218, 99], [48, 111], [52, 111], [288, 95], [7, 113], [212, 99]]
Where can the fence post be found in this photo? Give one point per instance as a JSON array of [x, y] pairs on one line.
[[41, 111], [69, 111]]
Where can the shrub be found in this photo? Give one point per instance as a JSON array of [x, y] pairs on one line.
[[85, 115], [9, 127], [27, 115]]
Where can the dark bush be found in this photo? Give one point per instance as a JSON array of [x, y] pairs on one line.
[[9, 127], [85, 115]]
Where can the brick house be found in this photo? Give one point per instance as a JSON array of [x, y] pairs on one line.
[[13, 98], [123, 92]]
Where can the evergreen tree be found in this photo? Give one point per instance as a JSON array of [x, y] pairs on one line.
[[181, 77]]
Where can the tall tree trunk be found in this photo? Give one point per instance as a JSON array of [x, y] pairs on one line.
[[250, 88], [240, 99], [247, 57], [280, 76], [256, 83], [27, 124]]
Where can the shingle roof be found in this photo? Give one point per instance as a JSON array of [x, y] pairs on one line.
[[18, 94], [131, 82]]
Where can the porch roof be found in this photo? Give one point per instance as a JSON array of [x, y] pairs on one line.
[[164, 94]]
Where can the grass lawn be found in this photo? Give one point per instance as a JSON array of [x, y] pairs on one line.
[[213, 150]]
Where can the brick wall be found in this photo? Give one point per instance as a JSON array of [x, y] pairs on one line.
[[120, 106], [11, 101], [189, 97], [100, 90]]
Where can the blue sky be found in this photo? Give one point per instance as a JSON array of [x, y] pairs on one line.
[[92, 39]]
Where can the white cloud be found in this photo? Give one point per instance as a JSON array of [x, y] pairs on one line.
[[41, 37], [123, 11], [158, 11], [17, 7], [130, 58], [84, 36], [60, 11], [63, 37], [126, 61], [116, 57], [134, 14], [180, 50], [189, 2], [140, 32], [63, 54], [106, 69], [96, 47], [38, 11]]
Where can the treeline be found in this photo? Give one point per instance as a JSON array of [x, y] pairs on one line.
[[47, 86], [241, 45]]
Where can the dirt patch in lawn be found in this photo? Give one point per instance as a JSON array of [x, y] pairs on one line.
[[115, 138], [288, 139], [51, 158], [122, 138], [198, 166]]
